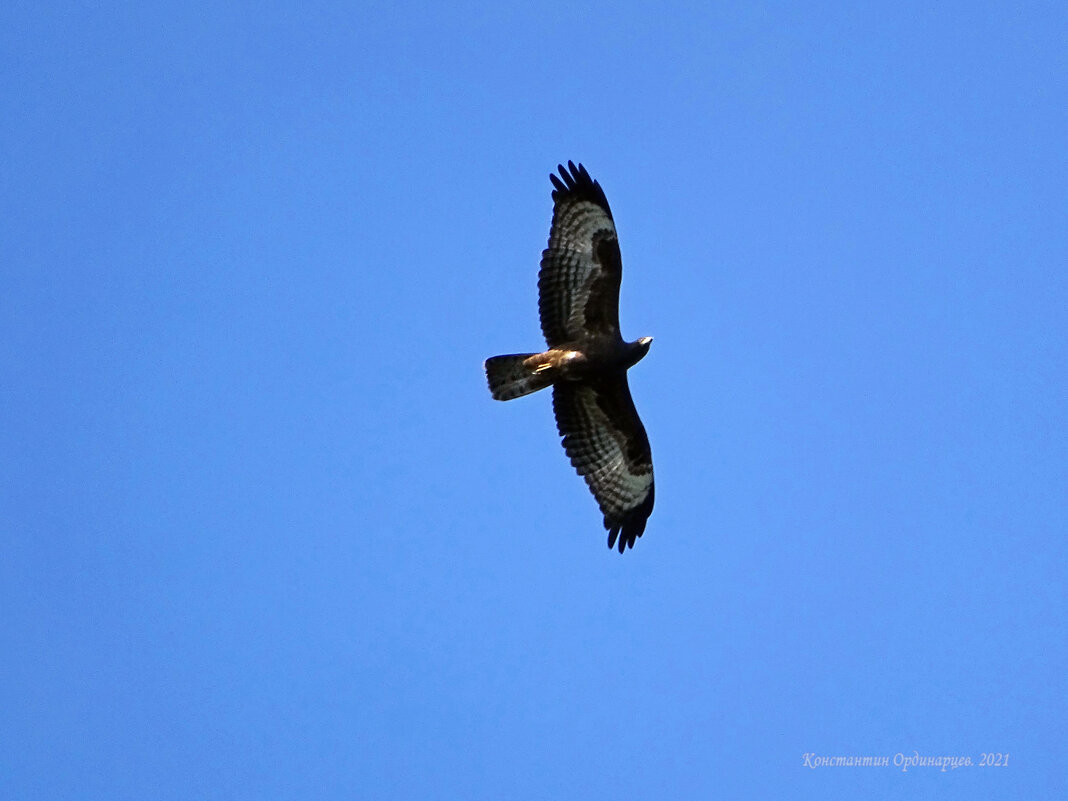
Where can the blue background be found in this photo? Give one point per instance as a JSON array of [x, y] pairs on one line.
[[264, 533]]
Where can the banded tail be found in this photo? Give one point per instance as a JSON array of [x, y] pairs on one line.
[[517, 374]]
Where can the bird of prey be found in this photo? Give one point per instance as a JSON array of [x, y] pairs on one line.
[[587, 360]]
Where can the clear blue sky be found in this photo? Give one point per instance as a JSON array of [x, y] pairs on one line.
[[266, 536]]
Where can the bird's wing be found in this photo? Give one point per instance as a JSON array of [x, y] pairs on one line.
[[578, 286], [607, 444]]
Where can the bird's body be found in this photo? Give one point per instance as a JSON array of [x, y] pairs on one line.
[[587, 360]]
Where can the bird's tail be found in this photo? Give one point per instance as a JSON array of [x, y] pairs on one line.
[[516, 375]]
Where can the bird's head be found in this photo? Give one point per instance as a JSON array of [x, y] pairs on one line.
[[638, 349]]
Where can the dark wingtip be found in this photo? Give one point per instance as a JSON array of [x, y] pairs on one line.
[[631, 525], [628, 532], [575, 182]]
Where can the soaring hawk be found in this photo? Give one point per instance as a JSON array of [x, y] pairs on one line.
[[587, 360]]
